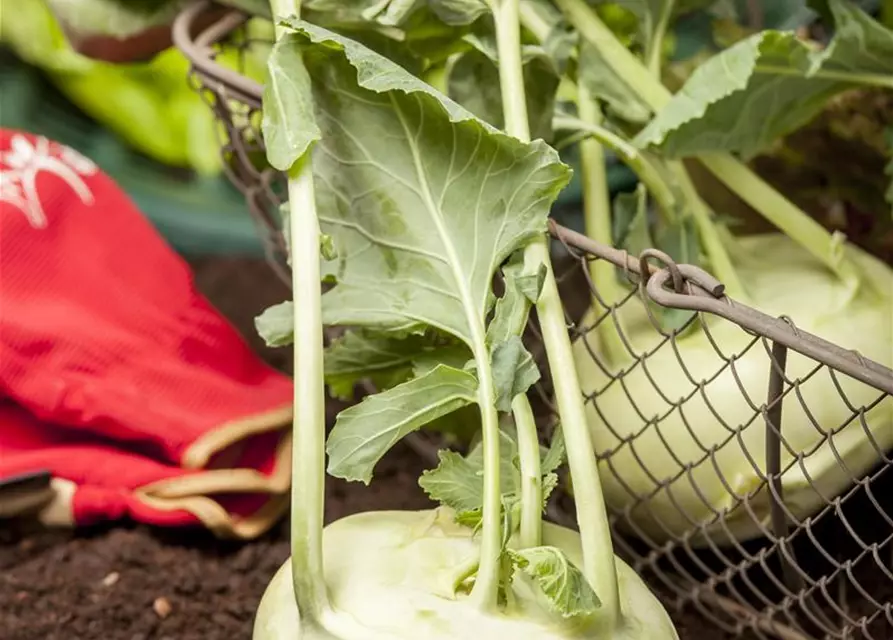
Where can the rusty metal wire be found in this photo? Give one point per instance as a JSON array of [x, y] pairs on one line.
[[781, 554]]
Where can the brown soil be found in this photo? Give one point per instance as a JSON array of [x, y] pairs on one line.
[[134, 583]]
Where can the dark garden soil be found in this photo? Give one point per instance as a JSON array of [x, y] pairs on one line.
[[134, 583]]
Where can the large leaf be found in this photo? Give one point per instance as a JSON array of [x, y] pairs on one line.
[[564, 586], [365, 432], [423, 200], [764, 87]]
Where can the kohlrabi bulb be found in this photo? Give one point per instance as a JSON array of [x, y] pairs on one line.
[[393, 575], [720, 422]]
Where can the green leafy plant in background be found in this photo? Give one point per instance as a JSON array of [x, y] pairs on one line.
[[732, 105]]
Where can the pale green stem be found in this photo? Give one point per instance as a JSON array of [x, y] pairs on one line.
[[772, 205], [720, 261], [597, 221], [654, 54], [640, 164], [511, 70], [531, 474], [871, 79], [308, 444], [595, 532], [592, 517], [485, 591], [826, 247]]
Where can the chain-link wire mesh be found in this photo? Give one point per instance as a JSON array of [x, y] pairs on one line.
[[746, 463]]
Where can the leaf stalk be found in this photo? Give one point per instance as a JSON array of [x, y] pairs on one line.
[[308, 444], [595, 533]]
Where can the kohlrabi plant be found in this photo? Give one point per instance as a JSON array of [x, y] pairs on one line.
[[711, 451], [408, 206]]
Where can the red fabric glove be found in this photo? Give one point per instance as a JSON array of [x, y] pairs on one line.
[[132, 384]]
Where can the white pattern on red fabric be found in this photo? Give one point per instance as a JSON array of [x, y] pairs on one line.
[[24, 160]]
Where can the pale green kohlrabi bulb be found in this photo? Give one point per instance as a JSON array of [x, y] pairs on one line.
[[782, 279], [392, 575]]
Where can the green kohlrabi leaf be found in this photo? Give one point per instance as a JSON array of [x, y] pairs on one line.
[[764, 87], [419, 233], [563, 584], [555, 456], [553, 459], [603, 83], [458, 12], [276, 324], [458, 482], [423, 202], [364, 432], [522, 289], [514, 371], [385, 358], [630, 220], [289, 126], [473, 81]]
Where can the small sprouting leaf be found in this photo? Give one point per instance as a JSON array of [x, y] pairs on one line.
[[566, 589], [276, 324], [473, 82], [602, 82], [364, 432], [511, 310], [553, 459], [514, 371], [327, 247], [531, 284], [550, 482], [555, 456], [747, 96], [289, 125], [458, 482], [631, 221]]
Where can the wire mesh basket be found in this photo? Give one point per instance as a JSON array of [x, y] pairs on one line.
[[772, 523]]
